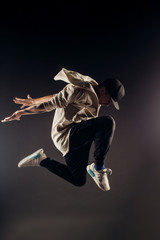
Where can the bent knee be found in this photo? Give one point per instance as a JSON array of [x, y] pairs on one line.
[[112, 122], [80, 183]]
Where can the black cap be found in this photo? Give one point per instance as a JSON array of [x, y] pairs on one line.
[[115, 89]]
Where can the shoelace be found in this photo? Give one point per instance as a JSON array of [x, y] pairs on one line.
[[101, 173], [108, 171], [35, 161]]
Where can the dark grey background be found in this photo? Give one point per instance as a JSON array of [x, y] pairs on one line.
[[101, 40]]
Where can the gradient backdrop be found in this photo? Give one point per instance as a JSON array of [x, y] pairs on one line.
[[101, 40]]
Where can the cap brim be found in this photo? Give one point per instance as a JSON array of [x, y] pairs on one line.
[[116, 105]]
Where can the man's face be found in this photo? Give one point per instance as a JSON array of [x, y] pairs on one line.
[[104, 97]]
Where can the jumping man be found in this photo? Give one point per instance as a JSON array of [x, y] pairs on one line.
[[75, 126]]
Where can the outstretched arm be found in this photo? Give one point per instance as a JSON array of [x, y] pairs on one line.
[[46, 104], [29, 101], [35, 109]]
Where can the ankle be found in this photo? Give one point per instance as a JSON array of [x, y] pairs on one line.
[[99, 167]]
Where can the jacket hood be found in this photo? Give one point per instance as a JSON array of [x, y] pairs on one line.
[[75, 78]]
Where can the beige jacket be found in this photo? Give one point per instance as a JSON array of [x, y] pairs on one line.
[[75, 103]]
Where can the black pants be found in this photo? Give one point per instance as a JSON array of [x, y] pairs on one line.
[[101, 131]]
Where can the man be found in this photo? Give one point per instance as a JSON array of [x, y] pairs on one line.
[[75, 126]]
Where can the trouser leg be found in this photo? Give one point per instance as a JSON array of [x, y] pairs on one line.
[[100, 130], [77, 162], [75, 170], [103, 138], [57, 168]]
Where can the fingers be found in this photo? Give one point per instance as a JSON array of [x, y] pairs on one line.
[[7, 119], [24, 102], [28, 96], [3, 120], [18, 100], [11, 118]]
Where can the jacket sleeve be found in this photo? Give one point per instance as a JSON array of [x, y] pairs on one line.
[[61, 99]]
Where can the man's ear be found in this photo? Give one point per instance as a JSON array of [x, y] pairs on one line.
[[102, 90]]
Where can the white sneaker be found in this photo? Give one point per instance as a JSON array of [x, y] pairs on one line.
[[33, 160], [100, 177]]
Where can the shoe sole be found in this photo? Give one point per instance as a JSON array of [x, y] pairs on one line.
[[31, 157]]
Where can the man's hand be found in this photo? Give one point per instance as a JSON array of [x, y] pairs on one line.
[[25, 102], [15, 116], [35, 107]]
